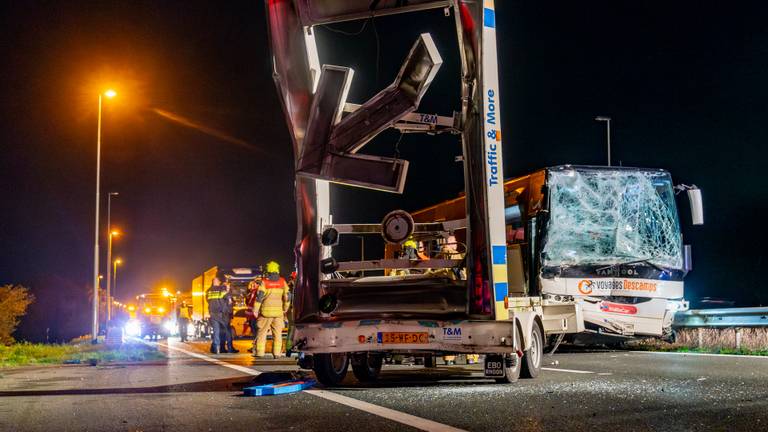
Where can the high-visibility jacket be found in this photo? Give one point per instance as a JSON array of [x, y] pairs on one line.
[[217, 300], [184, 312], [272, 298]]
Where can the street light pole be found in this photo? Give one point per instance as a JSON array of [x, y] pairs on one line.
[[112, 235], [114, 282], [607, 121], [95, 326]]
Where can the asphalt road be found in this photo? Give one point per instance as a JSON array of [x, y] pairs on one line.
[[193, 391]]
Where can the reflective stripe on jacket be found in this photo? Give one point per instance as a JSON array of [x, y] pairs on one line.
[[217, 300], [272, 298]]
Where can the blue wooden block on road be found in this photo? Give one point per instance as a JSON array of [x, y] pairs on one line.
[[278, 388]]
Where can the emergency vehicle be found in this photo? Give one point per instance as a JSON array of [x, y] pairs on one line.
[[238, 279], [154, 316]]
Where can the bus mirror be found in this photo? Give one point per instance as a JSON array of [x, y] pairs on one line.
[[697, 207]]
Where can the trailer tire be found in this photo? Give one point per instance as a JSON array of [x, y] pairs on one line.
[[330, 369], [511, 373], [366, 367], [533, 356]]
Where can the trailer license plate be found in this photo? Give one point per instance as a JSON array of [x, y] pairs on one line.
[[494, 366], [403, 337]]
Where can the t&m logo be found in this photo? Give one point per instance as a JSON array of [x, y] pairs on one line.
[[585, 286]]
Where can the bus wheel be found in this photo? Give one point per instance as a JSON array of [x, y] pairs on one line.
[[366, 367], [330, 369], [532, 357]]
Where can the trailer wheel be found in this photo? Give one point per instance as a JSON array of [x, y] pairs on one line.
[[330, 369], [512, 366], [532, 357], [512, 363], [366, 367]]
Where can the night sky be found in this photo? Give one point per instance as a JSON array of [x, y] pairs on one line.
[[686, 85]]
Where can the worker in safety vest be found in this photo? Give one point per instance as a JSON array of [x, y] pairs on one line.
[[183, 320], [271, 304]]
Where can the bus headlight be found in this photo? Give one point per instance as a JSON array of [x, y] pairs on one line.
[[132, 328], [677, 305]]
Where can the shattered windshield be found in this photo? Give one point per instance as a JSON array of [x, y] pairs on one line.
[[612, 216]]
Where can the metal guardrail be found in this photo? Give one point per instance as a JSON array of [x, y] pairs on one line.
[[729, 317]]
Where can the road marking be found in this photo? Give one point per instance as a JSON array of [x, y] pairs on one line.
[[568, 370], [389, 414], [239, 368], [400, 417], [702, 354]]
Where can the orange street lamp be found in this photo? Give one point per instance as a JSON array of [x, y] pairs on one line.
[[95, 327]]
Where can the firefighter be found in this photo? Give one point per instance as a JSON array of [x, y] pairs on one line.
[[270, 307], [216, 296]]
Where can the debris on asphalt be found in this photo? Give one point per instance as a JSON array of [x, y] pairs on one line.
[[276, 383], [279, 388]]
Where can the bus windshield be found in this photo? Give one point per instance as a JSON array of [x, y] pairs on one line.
[[604, 216]]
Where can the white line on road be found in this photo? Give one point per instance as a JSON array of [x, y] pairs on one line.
[[243, 369], [390, 414], [567, 370], [702, 354], [400, 417]]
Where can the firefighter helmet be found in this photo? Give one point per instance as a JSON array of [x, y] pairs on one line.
[[273, 267]]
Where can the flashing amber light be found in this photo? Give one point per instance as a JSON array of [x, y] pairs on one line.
[[114, 233], [147, 310], [161, 309], [110, 93], [131, 308]]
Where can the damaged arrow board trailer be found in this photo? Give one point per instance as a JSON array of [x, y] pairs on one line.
[[606, 238], [459, 302]]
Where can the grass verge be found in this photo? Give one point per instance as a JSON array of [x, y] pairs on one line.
[[741, 351], [25, 354], [657, 345]]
